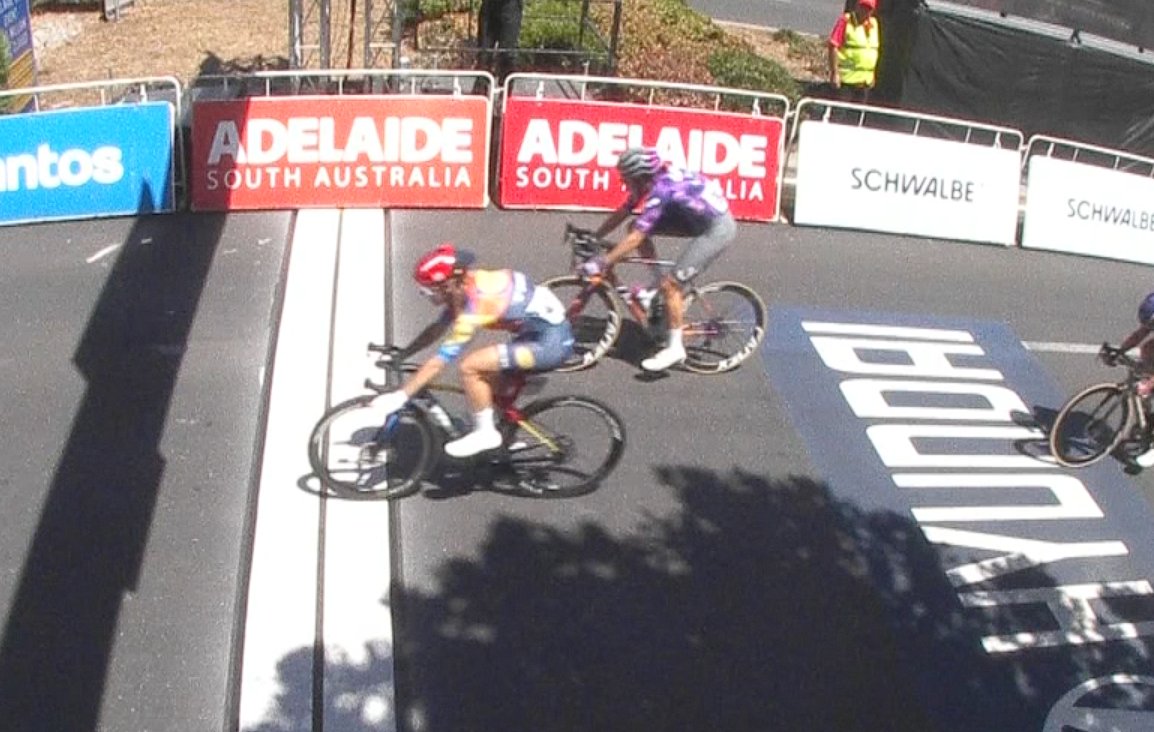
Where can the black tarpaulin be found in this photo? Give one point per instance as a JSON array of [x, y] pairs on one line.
[[985, 70]]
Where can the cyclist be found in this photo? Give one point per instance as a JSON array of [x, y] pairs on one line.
[[1140, 336], [471, 300], [674, 202]]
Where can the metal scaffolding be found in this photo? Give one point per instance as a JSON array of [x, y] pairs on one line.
[[343, 34]]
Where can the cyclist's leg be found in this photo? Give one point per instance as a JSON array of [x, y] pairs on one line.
[[480, 370], [695, 258], [1145, 388], [648, 250], [539, 347], [1146, 366]]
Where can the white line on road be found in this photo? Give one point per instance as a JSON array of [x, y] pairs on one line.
[[358, 623], [103, 253], [1059, 347], [281, 614]]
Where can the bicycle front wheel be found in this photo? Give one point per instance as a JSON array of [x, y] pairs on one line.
[[563, 446], [357, 457], [595, 316], [724, 324], [1090, 425]]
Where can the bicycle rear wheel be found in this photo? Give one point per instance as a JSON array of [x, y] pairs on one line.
[[724, 324], [1090, 425], [562, 447], [358, 458], [595, 316]]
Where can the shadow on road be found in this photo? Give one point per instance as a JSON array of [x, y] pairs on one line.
[[762, 604], [87, 551]]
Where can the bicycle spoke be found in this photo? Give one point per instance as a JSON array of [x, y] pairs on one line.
[[356, 457], [594, 317], [1090, 425], [563, 447], [724, 323]]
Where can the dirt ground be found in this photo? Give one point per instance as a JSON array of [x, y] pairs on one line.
[[188, 38], [181, 38]]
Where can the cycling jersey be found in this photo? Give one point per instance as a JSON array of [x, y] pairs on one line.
[[679, 203], [501, 300]]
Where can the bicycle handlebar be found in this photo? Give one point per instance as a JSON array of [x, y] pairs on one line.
[[389, 362], [583, 242], [1112, 356]]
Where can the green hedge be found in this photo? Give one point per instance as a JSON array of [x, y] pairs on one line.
[[742, 69], [5, 60]]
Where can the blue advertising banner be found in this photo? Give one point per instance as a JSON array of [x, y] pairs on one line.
[[20, 60], [82, 163]]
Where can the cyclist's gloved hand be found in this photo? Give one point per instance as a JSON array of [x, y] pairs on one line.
[[1109, 354], [594, 266], [390, 401]]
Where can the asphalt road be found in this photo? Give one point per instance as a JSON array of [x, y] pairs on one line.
[[726, 576], [132, 367], [804, 16]]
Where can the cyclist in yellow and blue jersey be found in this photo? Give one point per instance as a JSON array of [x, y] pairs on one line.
[[475, 300]]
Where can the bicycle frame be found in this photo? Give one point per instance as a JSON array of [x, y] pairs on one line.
[[1138, 420], [1067, 445], [581, 250], [505, 398]]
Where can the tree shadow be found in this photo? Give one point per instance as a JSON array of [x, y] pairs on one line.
[[213, 65], [761, 604]]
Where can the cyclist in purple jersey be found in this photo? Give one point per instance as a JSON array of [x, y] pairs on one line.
[[674, 202]]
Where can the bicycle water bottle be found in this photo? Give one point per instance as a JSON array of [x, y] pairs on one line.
[[658, 320]]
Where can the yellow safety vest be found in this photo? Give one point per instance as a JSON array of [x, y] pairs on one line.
[[857, 59]]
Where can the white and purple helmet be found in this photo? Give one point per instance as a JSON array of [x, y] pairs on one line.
[[639, 164]]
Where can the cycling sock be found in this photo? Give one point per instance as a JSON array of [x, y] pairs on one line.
[[674, 338], [483, 420]]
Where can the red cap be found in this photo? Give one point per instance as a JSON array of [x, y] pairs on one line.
[[868, 3]]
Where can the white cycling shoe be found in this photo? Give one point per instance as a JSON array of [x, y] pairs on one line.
[[475, 442], [665, 358]]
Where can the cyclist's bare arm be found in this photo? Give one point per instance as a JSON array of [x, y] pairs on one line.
[[626, 246], [433, 366], [428, 336], [613, 220], [1135, 338]]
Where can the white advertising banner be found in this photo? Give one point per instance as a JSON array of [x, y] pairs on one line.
[[1086, 209], [858, 178]]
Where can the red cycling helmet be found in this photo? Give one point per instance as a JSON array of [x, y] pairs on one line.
[[441, 265]]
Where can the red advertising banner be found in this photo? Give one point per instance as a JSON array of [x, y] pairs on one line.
[[559, 153], [341, 152]]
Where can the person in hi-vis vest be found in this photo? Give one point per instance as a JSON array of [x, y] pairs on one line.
[[853, 52]]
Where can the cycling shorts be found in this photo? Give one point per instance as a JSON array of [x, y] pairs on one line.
[[701, 250], [538, 347]]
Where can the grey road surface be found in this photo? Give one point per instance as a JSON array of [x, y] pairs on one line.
[[132, 364], [717, 580], [803, 16]]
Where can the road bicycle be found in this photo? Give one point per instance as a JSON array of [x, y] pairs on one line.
[[555, 447], [1103, 419], [724, 321]]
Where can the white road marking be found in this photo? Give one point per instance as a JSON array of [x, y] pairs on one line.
[[1060, 347], [281, 620], [345, 562], [358, 623], [103, 253]]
